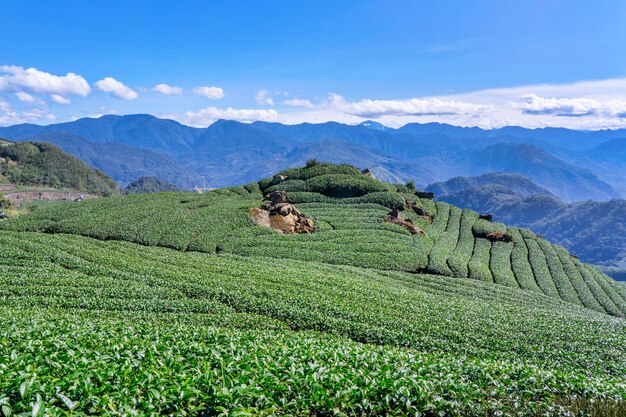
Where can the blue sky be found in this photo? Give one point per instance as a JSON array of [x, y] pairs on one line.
[[486, 63]]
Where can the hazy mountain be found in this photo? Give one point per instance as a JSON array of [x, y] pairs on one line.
[[515, 183], [607, 160], [344, 152], [122, 162], [574, 165], [596, 231], [566, 138], [138, 130], [565, 180], [370, 124]]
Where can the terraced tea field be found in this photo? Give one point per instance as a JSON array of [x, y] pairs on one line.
[[350, 231], [179, 304]]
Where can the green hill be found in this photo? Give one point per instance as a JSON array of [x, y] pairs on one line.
[[146, 185], [45, 165], [180, 302]]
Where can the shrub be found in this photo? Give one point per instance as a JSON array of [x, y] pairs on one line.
[[479, 262], [317, 170], [5, 202], [540, 268], [312, 163], [561, 280], [445, 245], [519, 262], [500, 264], [463, 252], [342, 185], [483, 228]]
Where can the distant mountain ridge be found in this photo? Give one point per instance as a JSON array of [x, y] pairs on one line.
[[122, 162], [596, 231], [570, 164], [568, 181], [515, 183]]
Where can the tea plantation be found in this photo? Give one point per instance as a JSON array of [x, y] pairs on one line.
[[179, 304]]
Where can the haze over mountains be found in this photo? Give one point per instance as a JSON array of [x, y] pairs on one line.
[[593, 230], [573, 165]]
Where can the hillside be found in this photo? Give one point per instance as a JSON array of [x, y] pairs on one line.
[[594, 231], [145, 185], [45, 165], [121, 162], [571, 164], [229, 316], [567, 181], [514, 183], [348, 208]]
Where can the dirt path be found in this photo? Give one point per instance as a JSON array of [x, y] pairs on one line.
[[18, 198]]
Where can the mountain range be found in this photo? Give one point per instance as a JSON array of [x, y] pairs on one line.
[[573, 165]]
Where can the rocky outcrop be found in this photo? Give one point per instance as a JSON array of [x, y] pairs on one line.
[[395, 217], [499, 237], [425, 194], [281, 216], [419, 210]]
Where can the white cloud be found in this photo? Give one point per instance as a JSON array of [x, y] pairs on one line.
[[11, 117], [42, 82], [5, 106], [60, 99], [116, 88], [572, 107], [298, 102], [27, 98], [263, 98], [209, 92], [587, 105], [410, 107], [208, 115], [167, 89]]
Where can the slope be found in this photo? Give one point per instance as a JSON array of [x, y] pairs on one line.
[[232, 318], [349, 209], [515, 183], [568, 182], [200, 333], [122, 162], [45, 165], [592, 230], [146, 185]]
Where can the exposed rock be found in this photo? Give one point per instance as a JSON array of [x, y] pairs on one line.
[[425, 194], [488, 217], [368, 173], [419, 210], [395, 217], [277, 197], [277, 179], [281, 216], [499, 237]]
